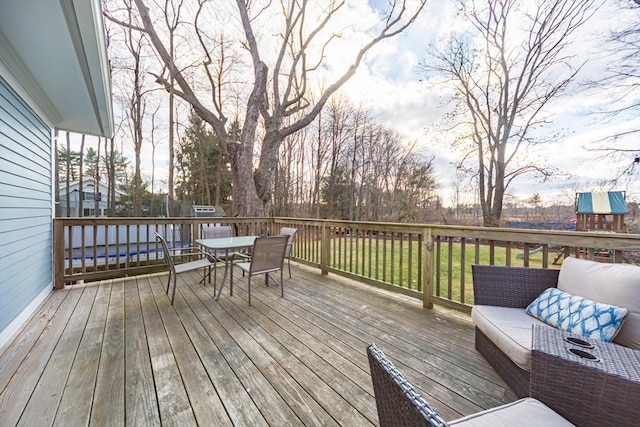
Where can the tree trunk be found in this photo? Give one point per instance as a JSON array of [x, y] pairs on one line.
[[96, 187], [245, 195], [252, 193], [68, 174], [80, 179], [111, 177]]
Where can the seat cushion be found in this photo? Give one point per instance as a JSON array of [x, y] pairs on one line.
[[510, 329], [522, 413], [615, 284]]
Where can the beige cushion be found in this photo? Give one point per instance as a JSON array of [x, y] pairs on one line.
[[510, 329], [615, 284], [522, 413]]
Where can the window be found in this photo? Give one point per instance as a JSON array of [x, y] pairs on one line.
[[90, 196]]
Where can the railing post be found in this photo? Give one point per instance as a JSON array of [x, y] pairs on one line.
[[427, 268], [58, 254], [325, 242]]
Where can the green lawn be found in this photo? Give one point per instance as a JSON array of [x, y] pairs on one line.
[[360, 255]]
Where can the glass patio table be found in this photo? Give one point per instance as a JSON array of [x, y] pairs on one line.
[[229, 245]]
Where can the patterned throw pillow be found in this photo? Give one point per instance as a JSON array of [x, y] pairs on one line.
[[577, 314]]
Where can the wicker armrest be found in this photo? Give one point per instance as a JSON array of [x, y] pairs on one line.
[[397, 401], [510, 286], [600, 392]]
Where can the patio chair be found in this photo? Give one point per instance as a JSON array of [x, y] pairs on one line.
[[171, 255], [400, 405], [220, 232], [216, 230], [267, 257], [291, 232]]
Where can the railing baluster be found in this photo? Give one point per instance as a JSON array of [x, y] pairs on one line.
[[382, 254], [450, 268], [463, 268], [384, 257], [83, 249], [401, 259]]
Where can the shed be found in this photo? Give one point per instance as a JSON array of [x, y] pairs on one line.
[[202, 211], [601, 211]]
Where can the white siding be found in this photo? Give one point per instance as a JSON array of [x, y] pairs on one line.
[[25, 206]]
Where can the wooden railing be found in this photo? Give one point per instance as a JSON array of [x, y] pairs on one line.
[[428, 262]]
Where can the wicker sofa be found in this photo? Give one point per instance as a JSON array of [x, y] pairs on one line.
[[504, 330]]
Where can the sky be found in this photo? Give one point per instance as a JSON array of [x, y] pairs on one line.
[[411, 102], [406, 100]]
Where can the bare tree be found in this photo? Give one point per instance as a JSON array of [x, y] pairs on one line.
[[365, 170], [337, 131], [172, 10], [318, 153], [111, 178], [136, 106], [622, 77], [96, 187], [504, 73], [154, 144], [277, 92]]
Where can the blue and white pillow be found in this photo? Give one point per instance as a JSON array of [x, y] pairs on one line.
[[577, 314]]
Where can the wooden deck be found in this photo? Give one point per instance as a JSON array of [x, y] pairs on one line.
[[117, 353]]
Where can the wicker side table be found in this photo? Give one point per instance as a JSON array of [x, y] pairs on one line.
[[600, 392]]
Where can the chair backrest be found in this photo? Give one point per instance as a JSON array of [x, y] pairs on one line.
[[216, 231], [268, 254], [165, 250], [291, 232], [397, 401]]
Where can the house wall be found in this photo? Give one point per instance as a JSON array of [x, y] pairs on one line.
[[26, 210], [88, 204]]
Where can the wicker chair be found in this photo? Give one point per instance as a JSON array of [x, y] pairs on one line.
[[400, 405], [508, 287], [504, 329]]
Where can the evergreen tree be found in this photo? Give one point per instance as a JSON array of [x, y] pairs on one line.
[[203, 175]]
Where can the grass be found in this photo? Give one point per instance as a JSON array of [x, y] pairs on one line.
[[366, 257]]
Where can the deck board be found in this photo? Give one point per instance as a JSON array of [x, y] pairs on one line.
[[204, 400], [141, 404], [16, 394], [108, 395], [76, 402], [16, 351], [292, 365], [117, 352], [228, 385], [43, 403], [173, 400]]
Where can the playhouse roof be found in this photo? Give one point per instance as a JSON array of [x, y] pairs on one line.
[[610, 202]]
